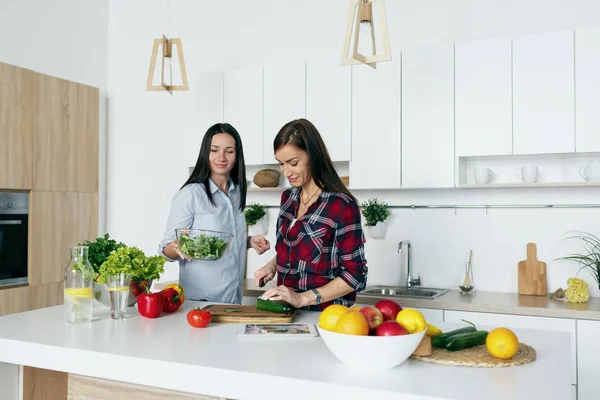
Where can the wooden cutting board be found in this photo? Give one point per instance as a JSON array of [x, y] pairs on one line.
[[532, 274], [247, 314]]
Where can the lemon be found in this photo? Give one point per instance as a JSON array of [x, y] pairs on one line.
[[84, 293], [330, 315], [412, 320], [118, 289], [432, 330]]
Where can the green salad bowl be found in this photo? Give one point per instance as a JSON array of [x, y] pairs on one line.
[[203, 244]]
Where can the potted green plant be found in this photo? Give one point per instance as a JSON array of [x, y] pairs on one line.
[[256, 219], [132, 261], [590, 258], [375, 213]]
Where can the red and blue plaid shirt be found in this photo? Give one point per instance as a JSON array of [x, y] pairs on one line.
[[325, 243]]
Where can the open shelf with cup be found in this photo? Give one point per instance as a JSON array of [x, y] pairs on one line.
[[535, 170]]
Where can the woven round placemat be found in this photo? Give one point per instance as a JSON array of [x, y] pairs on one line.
[[478, 356]]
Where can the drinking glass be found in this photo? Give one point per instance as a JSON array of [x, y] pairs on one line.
[[118, 290]]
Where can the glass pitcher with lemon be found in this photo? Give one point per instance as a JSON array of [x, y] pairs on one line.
[[79, 279]]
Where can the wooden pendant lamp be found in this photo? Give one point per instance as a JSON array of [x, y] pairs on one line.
[[166, 74], [361, 13]]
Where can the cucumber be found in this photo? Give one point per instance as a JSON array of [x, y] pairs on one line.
[[279, 307], [466, 340], [442, 339]]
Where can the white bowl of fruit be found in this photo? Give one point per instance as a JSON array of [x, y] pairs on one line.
[[382, 336]]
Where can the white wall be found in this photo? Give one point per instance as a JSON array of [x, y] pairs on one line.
[[145, 165], [67, 39]]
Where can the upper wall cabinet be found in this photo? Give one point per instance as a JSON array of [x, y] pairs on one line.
[[543, 93], [243, 108], [65, 136], [284, 101], [16, 126], [376, 143], [204, 106], [329, 105], [428, 117], [587, 90], [483, 82]]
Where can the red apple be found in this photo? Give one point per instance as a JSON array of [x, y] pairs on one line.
[[373, 315], [390, 328], [388, 308]]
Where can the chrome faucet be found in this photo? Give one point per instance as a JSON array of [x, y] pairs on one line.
[[410, 282]]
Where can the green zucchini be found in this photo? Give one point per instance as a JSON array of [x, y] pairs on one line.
[[279, 307], [466, 340], [442, 339]]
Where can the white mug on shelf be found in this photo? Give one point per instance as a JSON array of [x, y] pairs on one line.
[[527, 173], [483, 175]]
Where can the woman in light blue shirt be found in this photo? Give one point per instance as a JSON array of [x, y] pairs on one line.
[[214, 197]]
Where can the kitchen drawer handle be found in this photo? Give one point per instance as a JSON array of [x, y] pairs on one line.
[[11, 222]]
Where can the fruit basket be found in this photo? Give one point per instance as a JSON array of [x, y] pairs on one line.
[[203, 244]]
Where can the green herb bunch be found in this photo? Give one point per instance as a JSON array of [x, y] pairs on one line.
[[253, 213], [131, 260], [375, 211], [99, 250], [590, 259]]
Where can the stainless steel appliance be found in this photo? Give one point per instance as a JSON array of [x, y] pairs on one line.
[[13, 249]]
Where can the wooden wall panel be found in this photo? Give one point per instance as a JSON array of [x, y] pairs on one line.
[[65, 136], [48, 295], [14, 300], [44, 384], [60, 220], [16, 127], [85, 388]]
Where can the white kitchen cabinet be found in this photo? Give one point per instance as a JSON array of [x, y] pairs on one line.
[[491, 320], [543, 93], [431, 315], [200, 109], [587, 90], [376, 128], [284, 100], [9, 381], [329, 105], [588, 350], [243, 108], [428, 117], [483, 101]]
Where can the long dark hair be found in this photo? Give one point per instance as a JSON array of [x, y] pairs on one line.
[[302, 134], [201, 172]]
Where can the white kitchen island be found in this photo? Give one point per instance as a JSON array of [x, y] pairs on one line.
[[167, 353]]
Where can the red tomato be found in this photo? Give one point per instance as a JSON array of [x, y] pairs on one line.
[[198, 318]]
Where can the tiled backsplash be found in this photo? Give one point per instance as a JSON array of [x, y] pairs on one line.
[[14, 203]]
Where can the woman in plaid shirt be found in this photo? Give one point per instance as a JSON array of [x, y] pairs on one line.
[[320, 243]]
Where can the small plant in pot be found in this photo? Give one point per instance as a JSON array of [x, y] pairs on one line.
[[590, 258], [133, 261], [256, 219], [375, 213]]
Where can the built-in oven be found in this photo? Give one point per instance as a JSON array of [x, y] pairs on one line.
[[13, 249]]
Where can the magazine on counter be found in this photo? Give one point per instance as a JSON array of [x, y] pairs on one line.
[[277, 330]]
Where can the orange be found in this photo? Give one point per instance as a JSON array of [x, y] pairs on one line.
[[412, 320], [352, 323], [355, 308], [502, 343], [329, 316]]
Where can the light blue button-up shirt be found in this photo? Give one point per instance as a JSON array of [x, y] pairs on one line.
[[219, 280]]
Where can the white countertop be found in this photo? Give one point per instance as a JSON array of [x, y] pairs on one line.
[[167, 353]]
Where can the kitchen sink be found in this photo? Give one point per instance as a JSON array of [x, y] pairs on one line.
[[417, 292]]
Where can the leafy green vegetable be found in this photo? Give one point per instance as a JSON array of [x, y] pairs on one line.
[[202, 246], [99, 250], [132, 260], [253, 213]]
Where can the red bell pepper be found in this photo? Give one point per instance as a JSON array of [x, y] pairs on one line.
[[172, 299], [150, 305]]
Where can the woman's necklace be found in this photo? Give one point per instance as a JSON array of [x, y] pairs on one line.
[[310, 198]]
